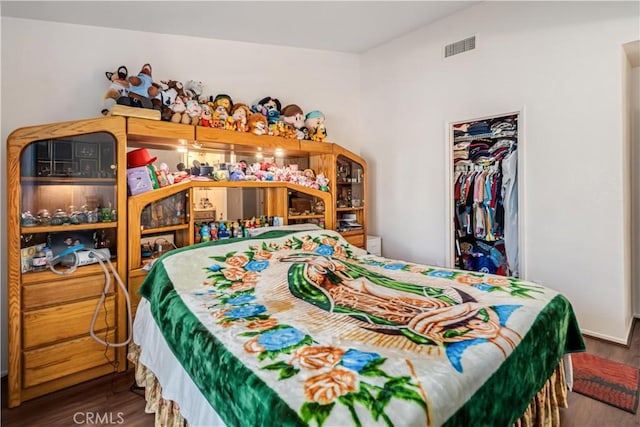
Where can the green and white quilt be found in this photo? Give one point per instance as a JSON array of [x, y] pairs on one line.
[[302, 328]]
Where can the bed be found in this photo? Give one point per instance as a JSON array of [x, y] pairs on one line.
[[298, 327]]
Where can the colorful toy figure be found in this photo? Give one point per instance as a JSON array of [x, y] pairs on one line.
[[205, 233], [222, 105], [206, 116], [240, 114], [267, 104], [293, 118], [313, 121], [257, 124], [141, 89], [194, 110], [119, 87]]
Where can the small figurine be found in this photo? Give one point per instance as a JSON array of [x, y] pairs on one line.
[[205, 233]]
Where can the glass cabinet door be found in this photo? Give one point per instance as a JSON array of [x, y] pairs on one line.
[[349, 194], [68, 194]]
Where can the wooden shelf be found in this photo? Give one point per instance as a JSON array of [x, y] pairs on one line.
[[67, 180], [359, 208], [295, 217], [166, 229], [68, 227]]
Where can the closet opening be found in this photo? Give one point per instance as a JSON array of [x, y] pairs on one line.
[[484, 194]]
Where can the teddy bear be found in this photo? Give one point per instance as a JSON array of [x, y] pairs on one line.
[[119, 87], [141, 90]]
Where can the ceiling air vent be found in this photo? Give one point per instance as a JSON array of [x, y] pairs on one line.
[[459, 47]]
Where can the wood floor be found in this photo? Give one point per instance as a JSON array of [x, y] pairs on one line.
[[109, 400]]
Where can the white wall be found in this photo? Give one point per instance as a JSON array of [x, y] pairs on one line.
[[55, 72], [562, 63]]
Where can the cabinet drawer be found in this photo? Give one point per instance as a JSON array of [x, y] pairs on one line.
[[355, 239], [64, 359], [53, 324], [70, 288]]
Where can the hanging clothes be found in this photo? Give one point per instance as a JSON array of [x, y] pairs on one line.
[[510, 197], [485, 195]]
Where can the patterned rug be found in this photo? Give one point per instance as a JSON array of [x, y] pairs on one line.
[[607, 381]]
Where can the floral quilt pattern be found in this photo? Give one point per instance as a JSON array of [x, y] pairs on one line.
[[348, 338]]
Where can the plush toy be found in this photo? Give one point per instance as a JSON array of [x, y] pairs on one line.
[[257, 123], [239, 115], [163, 100], [141, 90], [313, 121], [222, 105], [269, 107], [320, 133], [179, 110], [206, 117], [119, 87], [193, 89], [293, 118], [174, 84], [194, 111]]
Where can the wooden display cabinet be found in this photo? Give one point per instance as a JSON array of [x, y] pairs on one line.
[[62, 181], [78, 167], [347, 173]]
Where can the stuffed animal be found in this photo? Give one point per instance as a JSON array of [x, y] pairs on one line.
[[194, 111], [257, 123], [193, 89], [293, 118], [269, 107], [119, 87], [239, 115], [178, 110], [141, 90], [313, 121], [166, 96], [222, 105], [320, 133], [206, 117]]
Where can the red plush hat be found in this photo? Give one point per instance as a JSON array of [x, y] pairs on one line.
[[139, 157]]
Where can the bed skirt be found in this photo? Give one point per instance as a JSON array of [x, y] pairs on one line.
[[167, 412], [543, 410]]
